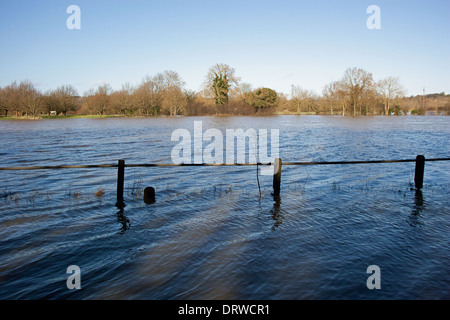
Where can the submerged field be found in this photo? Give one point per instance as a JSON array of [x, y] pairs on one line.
[[210, 235]]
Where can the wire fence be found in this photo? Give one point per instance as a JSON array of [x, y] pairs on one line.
[[418, 177], [149, 165]]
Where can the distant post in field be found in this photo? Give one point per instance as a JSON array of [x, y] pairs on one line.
[[420, 168], [277, 177], [120, 182]]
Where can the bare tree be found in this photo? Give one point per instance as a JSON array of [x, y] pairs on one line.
[[99, 102], [171, 79], [244, 87], [11, 98], [328, 95], [67, 98], [4, 102], [29, 98], [239, 91], [389, 89], [124, 100], [356, 81], [173, 100], [148, 95], [50, 102], [303, 99], [336, 96]]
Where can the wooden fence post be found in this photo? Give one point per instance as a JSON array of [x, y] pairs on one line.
[[149, 195], [277, 177], [420, 168], [120, 182]]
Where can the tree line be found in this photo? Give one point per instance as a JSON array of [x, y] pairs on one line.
[[223, 92]]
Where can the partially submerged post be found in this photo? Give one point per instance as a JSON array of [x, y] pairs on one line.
[[149, 195], [120, 182], [420, 168], [277, 177]]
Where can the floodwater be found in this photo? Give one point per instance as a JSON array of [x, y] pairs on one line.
[[210, 235]]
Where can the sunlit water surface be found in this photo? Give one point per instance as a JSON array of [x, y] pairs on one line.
[[210, 235]]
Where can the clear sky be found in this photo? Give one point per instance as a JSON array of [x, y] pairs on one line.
[[269, 43]]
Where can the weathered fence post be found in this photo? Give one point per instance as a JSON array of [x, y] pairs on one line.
[[149, 195], [420, 168], [120, 181], [277, 177]]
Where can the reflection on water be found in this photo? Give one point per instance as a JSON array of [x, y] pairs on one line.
[[210, 234], [123, 220], [276, 215], [415, 219]]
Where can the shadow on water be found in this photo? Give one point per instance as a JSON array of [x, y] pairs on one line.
[[415, 218]]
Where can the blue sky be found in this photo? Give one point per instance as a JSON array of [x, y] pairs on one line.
[[269, 43]]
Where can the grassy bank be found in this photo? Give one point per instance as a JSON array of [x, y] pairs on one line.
[[74, 116], [79, 116], [87, 116]]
